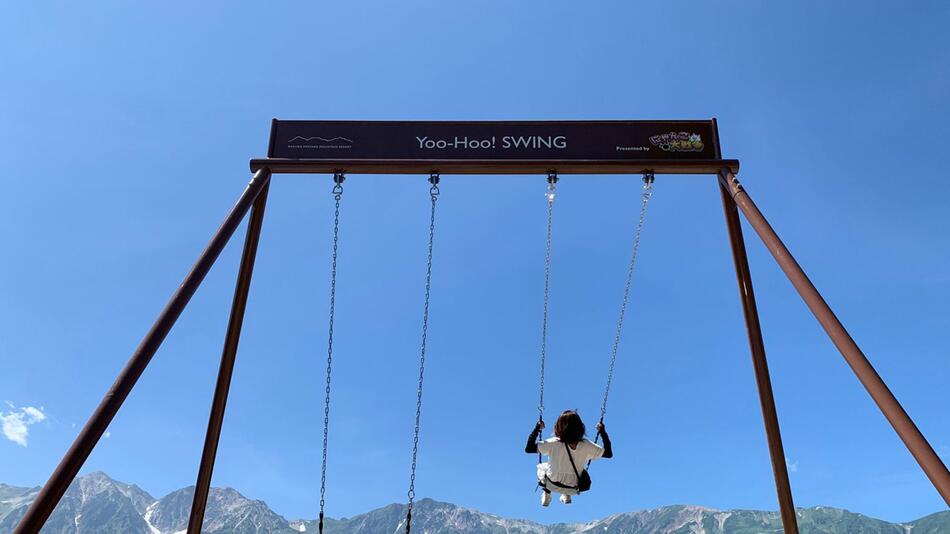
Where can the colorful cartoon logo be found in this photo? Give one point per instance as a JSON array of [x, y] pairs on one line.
[[678, 142]]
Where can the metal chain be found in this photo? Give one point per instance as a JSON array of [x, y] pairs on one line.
[[648, 178], [337, 196], [549, 194], [434, 195]]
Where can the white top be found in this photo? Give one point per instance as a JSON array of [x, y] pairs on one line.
[[559, 465]]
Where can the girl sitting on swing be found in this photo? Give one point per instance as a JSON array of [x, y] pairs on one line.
[[568, 453]]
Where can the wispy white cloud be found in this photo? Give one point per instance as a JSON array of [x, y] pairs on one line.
[[16, 422], [107, 435], [792, 465], [34, 413]]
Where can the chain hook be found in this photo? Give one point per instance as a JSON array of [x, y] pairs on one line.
[[648, 179], [338, 178], [552, 186], [434, 179]]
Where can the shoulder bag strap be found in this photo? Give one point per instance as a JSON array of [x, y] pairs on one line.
[[571, 458]]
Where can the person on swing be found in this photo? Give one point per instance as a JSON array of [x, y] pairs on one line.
[[568, 453]]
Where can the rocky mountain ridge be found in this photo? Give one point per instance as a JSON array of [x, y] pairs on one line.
[[95, 503]]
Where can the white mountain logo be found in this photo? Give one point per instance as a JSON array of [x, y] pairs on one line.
[[319, 142]]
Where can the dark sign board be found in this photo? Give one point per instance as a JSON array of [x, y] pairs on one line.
[[520, 140]]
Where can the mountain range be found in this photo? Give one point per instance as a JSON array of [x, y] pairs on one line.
[[95, 503]]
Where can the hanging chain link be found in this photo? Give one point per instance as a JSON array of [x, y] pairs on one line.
[[337, 197], [549, 194], [434, 195], [648, 179]]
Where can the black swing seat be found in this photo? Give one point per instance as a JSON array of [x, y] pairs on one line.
[[556, 483]]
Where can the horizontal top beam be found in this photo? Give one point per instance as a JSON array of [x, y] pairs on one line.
[[492, 166]]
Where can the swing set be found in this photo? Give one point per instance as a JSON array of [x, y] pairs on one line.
[[551, 148]]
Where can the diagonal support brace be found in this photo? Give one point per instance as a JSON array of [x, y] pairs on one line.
[[915, 441], [48, 497]]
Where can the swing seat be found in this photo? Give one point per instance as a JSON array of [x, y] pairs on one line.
[[551, 485]]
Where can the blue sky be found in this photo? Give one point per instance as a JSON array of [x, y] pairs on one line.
[[125, 138]]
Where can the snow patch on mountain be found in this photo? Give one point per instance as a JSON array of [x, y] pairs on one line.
[[148, 518]]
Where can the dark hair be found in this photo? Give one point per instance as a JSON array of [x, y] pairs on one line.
[[569, 428]]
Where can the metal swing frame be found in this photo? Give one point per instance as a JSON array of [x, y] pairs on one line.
[[539, 159]]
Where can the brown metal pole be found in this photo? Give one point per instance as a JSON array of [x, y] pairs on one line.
[[226, 369], [65, 472], [915, 441], [760, 365]]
